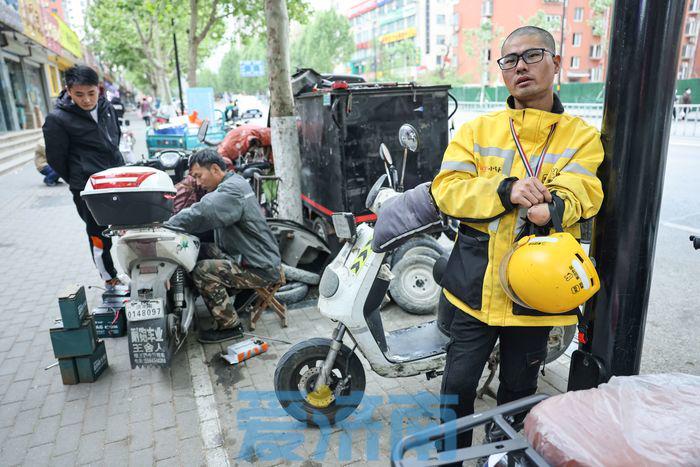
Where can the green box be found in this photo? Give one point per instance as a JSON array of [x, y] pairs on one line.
[[73, 305], [69, 343], [110, 321], [69, 371], [92, 366]]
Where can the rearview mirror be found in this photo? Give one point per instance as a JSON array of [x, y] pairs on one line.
[[202, 133], [385, 154], [408, 137], [344, 225]]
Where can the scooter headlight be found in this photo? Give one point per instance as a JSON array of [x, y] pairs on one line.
[[169, 159]]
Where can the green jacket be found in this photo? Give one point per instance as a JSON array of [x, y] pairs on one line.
[[240, 229]]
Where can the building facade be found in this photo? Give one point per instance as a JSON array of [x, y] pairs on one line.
[[400, 39], [36, 46], [482, 26]]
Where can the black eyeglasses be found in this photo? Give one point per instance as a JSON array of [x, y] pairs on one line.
[[530, 56]]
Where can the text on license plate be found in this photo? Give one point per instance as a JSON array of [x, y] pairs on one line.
[[144, 309]]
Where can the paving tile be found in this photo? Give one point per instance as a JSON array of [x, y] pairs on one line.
[[46, 431], [67, 439], [91, 447]]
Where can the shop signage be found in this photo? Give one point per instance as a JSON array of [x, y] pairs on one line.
[[68, 38], [9, 14], [398, 35]]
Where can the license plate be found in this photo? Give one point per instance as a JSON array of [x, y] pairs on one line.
[[144, 309], [170, 172]]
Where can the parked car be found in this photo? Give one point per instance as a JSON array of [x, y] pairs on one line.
[[251, 113]]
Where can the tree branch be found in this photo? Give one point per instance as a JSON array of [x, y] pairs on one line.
[[210, 22]]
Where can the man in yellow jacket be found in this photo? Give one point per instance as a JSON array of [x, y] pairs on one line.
[[499, 176]]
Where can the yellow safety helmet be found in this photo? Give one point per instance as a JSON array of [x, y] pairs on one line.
[[551, 274]]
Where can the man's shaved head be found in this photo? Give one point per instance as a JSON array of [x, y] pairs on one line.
[[544, 36]]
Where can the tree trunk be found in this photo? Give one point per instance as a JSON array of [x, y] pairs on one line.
[[285, 139], [193, 45]]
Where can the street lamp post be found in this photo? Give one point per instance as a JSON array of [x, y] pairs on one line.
[[561, 42], [177, 68]]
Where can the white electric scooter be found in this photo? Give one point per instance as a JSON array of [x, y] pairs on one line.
[[321, 381]]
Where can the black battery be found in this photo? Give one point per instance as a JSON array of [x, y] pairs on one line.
[[69, 343], [90, 367], [110, 321], [115, 291], [73, 305], [69, 371]]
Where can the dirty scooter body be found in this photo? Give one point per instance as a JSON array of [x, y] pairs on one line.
[[135, 202], [321, 381]]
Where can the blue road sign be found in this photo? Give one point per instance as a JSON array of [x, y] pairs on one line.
[[252, 68]]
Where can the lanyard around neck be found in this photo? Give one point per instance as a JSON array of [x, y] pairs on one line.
[[526, 162]]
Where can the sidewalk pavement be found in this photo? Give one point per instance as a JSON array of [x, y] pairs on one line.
[[202, 411]]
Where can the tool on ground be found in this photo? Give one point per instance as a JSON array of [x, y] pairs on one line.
[[257, 336], [241, 351]]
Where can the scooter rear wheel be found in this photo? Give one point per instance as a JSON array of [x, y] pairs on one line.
[[297, 372]]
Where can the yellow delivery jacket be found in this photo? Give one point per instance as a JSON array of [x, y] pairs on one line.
[[478, 166]]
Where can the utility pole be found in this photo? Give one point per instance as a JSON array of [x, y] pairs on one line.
[[285, 139], [177, 69], [640, 81], [561, 42], [374, 47]]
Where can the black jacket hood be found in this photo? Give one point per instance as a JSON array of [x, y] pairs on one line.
[[64, 102]]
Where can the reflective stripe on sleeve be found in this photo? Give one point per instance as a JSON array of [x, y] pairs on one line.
[[575, 168], [458, 166]]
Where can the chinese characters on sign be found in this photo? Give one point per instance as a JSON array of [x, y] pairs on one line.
[[147, 344], [272, 435]]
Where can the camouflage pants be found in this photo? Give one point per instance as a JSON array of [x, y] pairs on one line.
[[214, 275]]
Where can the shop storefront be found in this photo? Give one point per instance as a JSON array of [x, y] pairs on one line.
[[36, 46]]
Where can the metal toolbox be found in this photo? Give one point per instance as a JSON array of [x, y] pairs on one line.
[[90, 367], [73, 305], [69, 343]]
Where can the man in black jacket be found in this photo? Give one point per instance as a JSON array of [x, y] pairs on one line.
[[82, 137]]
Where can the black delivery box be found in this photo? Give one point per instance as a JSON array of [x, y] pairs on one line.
[[340, 131]]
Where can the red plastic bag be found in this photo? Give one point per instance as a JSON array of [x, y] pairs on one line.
[[648, 420], [239, 140]]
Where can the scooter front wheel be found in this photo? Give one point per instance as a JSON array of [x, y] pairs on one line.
[[297, 372]]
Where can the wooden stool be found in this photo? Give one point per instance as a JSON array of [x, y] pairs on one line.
[[264, 298]]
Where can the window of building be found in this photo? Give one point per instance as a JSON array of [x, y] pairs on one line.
[[596, 74], [440, 40], [693, 5], [684, 71], [691, 27], [596, 51], [688, 51], [575, 63], [438, 59], [576, 40], [578, 15], [440, 19], [487, 8]]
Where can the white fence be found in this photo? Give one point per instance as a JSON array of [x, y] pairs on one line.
[[685, 119]]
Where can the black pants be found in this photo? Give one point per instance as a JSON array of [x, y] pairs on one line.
[[100, 245], [523, 350]]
